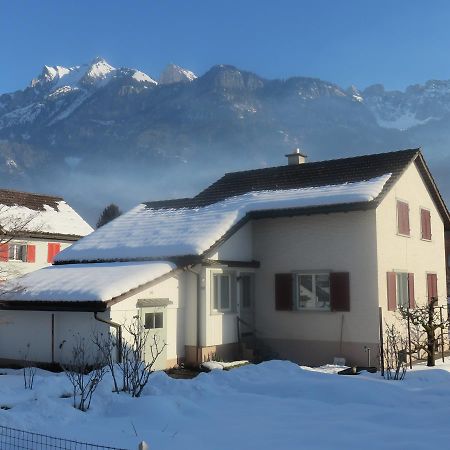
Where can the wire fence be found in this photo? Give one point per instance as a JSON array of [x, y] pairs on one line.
[[12, 439]]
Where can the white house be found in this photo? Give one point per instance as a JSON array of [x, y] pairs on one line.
[[34, 228], [298, 258]]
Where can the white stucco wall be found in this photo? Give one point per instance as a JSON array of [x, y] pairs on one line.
[[22, 331], [410, 254], [9, 269], [341, 242], [239, 247]]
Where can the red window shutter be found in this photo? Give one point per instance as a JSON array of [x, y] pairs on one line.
[[412, 302], [4, 252], [340, 291], [31, 253], [403, 218], [432, 286], [53, 250], [283, 291], [425, 220], [392, 291]]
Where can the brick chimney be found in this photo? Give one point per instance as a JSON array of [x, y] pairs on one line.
[[296, 157]]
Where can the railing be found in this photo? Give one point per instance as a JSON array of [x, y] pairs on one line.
[[12, 439]]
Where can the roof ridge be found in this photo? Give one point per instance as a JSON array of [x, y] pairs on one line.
[[15, 191]]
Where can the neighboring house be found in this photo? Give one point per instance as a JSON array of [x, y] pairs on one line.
[[33, 229], [301, 256]]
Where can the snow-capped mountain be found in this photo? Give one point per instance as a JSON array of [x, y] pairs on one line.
[[72, 123], [175, 74]]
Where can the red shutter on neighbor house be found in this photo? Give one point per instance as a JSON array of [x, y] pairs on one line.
[[4, 252], [403, 218], [412, 302], [53, 250], [283, 291], [340, 291], [425, 220], [392, 291], [31, 253], [432, 286]]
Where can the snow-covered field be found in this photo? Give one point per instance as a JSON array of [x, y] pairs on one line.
[[274, 405]]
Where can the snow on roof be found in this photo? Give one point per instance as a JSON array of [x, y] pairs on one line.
[[145, 232], [52, 217], [83, 282]]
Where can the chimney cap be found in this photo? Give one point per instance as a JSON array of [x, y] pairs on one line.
[[295, 152]]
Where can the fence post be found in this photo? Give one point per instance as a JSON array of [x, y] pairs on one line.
[[143, 446]]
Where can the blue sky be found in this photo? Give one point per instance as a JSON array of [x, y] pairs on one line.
[[349, 42]]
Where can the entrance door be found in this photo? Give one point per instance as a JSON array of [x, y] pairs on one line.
[[247, 302], [155, 323]]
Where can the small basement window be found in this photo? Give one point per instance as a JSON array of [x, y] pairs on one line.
[[313, 291], [154, 320], [17, 252], [221, 292]]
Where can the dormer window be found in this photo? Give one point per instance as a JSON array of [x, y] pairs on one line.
[[403, 218]]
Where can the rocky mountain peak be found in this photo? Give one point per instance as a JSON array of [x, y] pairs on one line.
[[176, 74]]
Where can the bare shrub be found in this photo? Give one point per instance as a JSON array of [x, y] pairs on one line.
[[136, 366], [84, 373], [107, 346], [29, 371], [395, 353]]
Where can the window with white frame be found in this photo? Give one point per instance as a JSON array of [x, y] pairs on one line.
[[221, 292], [17, 252], [402, 289], [313, 291]]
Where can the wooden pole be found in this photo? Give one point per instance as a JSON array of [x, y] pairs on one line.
[[409, 341], [442, 336], [380, 315], [53, 338]]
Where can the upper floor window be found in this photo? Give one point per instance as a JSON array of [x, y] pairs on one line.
[[425, 222], [17, 252], [403, 218], [313, 291]]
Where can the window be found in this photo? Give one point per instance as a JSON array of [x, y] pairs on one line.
[[154, 320], [221, 292], [17, 252], [403, 218], [313, 291], [246, 291], [425, 222], [402, 290]]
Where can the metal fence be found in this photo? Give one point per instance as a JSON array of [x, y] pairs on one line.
[[12, 439]]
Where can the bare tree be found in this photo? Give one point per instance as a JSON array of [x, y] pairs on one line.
[[395, 352], [85, 372], [427, 318]]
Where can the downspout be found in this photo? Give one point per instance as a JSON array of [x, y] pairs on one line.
[[199, 285], [118, 334]]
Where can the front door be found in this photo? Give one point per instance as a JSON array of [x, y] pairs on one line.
[[154, 321], [247, 303]]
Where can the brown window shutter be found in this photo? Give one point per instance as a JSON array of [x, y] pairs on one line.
[[340, 291], [403, 217], [425, 219], [412, 302], [283, 291], [392, 291], [432, 286]]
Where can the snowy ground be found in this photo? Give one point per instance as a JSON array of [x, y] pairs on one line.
[[275, 405]]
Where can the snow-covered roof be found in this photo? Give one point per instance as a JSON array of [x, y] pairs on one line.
[[23, 212], [83, 282], [146, 232]]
